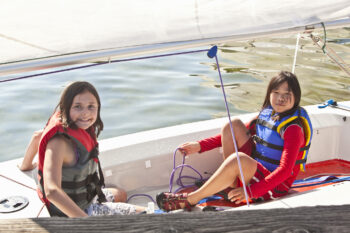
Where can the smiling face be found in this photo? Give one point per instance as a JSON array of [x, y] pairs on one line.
[[282, 98], [84, 109]]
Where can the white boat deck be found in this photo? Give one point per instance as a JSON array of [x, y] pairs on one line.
[[25, 186]]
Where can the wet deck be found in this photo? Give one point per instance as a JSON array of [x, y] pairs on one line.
[[302, 219]]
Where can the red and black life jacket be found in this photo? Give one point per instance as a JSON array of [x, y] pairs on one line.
[[82, 182]]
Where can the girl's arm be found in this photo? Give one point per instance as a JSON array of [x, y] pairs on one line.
[[201, 146], [293, 141], [32, 149], [59, 151], [209, 143]]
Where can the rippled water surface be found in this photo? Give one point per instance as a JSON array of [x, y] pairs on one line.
[[159, 92]]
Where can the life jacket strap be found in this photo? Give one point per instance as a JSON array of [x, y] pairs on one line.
[[75, 185], [91, 192], [89, 195], [100, 184], [257, 155], [261, 141], [101, 180], [274, 127], [266, 124], [307, 147]]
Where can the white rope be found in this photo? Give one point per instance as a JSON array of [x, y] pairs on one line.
[[296, 53]]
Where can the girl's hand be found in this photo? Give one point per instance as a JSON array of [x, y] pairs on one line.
[[26, 167], [190, 148], [236, 195]]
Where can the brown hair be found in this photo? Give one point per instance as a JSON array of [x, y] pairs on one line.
[[66, 102], [293, 85]]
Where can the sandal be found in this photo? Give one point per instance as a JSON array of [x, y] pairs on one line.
[[172, 201]]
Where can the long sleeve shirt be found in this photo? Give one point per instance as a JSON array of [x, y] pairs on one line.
[[285, 173]]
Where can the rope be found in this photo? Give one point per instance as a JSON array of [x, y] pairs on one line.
[[100, 63], [140, 195], [320, 181], [296, 53], [231, 127], [211, 53], [331, 54], [17, 182], [334, 104], [41, 209], [321, 174], [179, 180]]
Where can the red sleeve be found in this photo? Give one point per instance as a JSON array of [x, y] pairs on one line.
[[210, 143], [293, 141]]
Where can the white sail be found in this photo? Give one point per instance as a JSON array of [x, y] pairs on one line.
[[88, 30]]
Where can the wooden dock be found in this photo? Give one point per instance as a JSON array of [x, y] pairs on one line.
[[302, 219]]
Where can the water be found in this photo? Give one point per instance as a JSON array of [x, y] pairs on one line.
[[154, 93]]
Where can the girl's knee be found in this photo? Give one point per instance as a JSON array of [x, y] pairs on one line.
[[232, 160], [119, 194], [244, 159], [236, 122], [240, 154], [248, 164], [226, 130]]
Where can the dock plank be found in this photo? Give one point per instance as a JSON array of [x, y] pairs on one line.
[[301, 219]]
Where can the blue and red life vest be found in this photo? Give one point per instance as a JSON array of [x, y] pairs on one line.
[[269, 137]]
